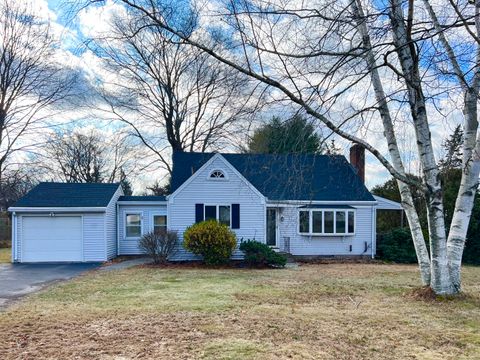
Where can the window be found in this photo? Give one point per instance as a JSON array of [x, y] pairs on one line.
[[351, 222], [317, 222], [133, 225], [217, 174], [304, 221], [340, 222], [210, 212], [224, 214], [159, 223], [326, 222], [221, 213]]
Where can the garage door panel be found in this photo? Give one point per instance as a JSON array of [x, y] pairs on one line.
[[48, 238], [57, 245]]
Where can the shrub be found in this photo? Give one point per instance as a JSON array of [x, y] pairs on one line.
[[212, 240], [397, 246], [259, 254], [159, 245]]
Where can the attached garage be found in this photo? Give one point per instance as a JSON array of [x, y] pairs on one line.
[[52, 238], [57, 222]]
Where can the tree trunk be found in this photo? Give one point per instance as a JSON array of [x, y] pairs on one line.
[[467, 190], [440, 277], [471, 149], [405, 193]]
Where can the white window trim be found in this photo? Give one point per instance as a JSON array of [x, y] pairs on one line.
[[225, 176], [152, 222], [142, 226], [323, 233], [218, 212]]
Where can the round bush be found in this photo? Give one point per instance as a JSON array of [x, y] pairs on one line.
[[212, 240], [258, 254]]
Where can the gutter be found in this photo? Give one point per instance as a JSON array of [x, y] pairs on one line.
[[307, 202], [57, 209], [142, 202]]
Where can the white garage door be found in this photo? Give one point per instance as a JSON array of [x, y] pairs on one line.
[[46, 238]]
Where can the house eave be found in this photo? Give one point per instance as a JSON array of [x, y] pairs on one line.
[[72, 209], [142, 202], [319, 202]]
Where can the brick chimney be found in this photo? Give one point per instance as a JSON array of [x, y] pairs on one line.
[[357, 159]]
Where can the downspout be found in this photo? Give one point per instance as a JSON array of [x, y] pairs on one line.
[[14, 236], [374, 229], [117, 207]]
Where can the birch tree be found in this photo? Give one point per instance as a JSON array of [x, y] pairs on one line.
[[347, 63]]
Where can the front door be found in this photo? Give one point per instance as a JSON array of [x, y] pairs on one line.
[[271, 227]]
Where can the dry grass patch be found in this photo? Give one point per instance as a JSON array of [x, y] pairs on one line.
[[328, 311], [5, 255]]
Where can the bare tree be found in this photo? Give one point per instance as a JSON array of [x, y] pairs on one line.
[[398, 61], [174, 97], [31, 81], [88, 157], [158, 189], [15, 185]]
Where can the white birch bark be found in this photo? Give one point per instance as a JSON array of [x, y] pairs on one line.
[[440, 277], [466, 192], [389, 132], [471, 151]]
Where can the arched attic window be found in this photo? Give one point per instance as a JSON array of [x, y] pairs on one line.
[[217, 175]]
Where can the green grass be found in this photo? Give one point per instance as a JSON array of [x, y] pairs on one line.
[[329, 311], [5, 255]]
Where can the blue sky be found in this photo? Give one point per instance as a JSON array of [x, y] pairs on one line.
[[375, 172]]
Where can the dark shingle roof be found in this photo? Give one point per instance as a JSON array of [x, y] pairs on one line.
[[142, 198], [50, 194], [285, 177]]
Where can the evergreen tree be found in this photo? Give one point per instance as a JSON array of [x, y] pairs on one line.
[[125, 183], [453, 150], [295, 135]]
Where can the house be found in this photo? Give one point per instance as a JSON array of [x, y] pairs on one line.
[[305, 205]]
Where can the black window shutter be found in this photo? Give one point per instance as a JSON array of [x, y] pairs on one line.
[[199, 213], [235, 216]]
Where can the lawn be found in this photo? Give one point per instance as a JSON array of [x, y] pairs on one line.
[[5, 255], [325, 311]]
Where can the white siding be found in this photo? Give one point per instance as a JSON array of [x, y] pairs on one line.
[[130, 246], [202, 190], [94, 246], [327, 245], [111, 225]]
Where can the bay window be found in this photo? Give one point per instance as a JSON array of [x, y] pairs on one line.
[[326, 222]]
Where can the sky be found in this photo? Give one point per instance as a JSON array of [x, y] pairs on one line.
[[93, 21]]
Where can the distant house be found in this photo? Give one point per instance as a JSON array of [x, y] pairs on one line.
[[305, 205]]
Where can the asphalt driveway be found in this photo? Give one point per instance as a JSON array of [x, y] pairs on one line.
[[17, 280]]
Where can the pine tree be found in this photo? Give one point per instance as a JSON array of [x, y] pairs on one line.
[[453, 150]]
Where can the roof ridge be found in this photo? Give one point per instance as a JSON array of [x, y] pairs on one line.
[[78, 183]]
